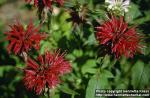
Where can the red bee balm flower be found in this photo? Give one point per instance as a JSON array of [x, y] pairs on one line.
[[22, 40], [46, 3], [116, 34], [45, 71]]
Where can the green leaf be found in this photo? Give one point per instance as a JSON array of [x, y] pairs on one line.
[[137, 72], [145, 79], [56, 96], [106, 74], [77, 53], [5, 68], [133, 13], [122, 84], [142, 20], [70, 57], [96, 82], [67, 90], [91, 40], [106, 62], [93, 84], [88, 67], [117, 76], [88, 70], [125, 65]]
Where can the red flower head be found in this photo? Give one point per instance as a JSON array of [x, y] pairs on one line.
[[45, 3], [116, 34], [45, 71], [22, 40]]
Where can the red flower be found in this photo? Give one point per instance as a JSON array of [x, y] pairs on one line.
[[45, 71], [45, 3], [22, 40], [116, 34]]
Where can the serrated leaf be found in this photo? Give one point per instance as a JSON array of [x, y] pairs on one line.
[[96, 82], [145, 79], [137, 71]]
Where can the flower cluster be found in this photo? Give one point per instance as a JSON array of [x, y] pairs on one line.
[[45, 71], [116, 34], [118, 6], [22, 40]]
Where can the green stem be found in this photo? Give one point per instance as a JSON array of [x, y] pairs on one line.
[[48, 94], [101, 63], [49, 20]]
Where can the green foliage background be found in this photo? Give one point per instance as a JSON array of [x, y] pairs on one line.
[[83, 51]]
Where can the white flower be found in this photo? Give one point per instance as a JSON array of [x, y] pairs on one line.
[[118, 5]]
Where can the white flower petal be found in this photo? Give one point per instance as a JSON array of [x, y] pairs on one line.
[[126, 2], [118, 5], [111, 2], [126, 10], [110, 7]]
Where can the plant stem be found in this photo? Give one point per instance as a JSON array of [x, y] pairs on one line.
[[49, 20], [48, 94]]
